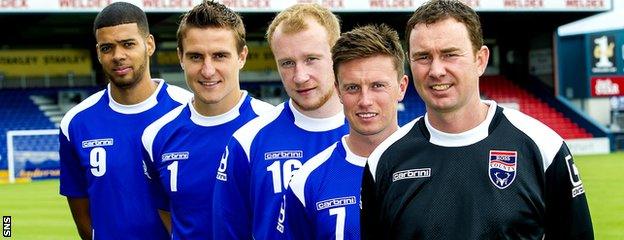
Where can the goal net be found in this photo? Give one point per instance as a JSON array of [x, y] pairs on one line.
[[33, 154]]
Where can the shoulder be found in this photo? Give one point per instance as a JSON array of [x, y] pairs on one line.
[[298, 181], [546, 139], [85, 104], [150, 132], [373, 159], [260, 107], [246, 134], [249, 131], [178, 94]]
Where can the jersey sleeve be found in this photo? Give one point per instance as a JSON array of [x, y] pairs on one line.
[[231, 204], [297, 224], [73, 182], [567, 213], [160, 196]]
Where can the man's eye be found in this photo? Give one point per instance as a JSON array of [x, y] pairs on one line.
[[286, 64], [311, 59], [351, 88], [420, 58], [195, 58]]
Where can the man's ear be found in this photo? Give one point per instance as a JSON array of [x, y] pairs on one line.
[[180, 55], [482, 57], [99, 55], [242, 57], [151, 44], [403, 83]]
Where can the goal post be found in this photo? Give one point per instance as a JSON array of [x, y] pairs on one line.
[[33, 154]]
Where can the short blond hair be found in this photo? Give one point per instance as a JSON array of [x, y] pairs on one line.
[[294, 20]]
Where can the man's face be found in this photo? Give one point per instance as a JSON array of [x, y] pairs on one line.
[[305, 65], [211, 64], [124, 54], [370, 89], [445, 67]]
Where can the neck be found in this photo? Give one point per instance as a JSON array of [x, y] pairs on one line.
[[134, 94], [221, 107], [363, 145], [459, 120], [329, 109]]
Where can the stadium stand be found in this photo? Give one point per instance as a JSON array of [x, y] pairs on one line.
[[507, 93], [37, 108], [19, 112], [411, 107]]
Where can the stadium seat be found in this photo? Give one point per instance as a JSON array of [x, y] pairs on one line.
[[500, 89]]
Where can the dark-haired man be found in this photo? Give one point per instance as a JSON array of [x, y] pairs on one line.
[[468, 169], [100, 147], [185, 145]]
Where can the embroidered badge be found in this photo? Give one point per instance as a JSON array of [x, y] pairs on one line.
[[502, 167]]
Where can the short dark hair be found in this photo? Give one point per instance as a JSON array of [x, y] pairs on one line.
[[438, 10], [212, 14], [368, 41], [121, 13]]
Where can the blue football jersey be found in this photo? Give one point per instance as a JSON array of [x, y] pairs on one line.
[[257, 165], [323, 199], [101, 159], [184, 150]]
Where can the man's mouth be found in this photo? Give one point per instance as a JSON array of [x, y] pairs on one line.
[[441, 87]]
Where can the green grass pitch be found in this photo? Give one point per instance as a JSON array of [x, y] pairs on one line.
[[38, 212]]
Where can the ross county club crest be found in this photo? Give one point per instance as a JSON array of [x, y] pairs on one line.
[[502, 167]]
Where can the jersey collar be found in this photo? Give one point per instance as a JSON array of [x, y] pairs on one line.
[[147, 104], [352, 157], [316, 124], [209, 121], [466, 138]]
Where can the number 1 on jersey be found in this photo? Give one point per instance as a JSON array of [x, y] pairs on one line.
[[341, 215], [173, 176]]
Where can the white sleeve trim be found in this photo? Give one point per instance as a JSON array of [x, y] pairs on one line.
[[246, 134], [87, 103], [150, 132], [547, 140], [298, 180], [373, 159], [261, 107], [179, 94]]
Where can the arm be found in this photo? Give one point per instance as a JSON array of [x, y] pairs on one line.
[[567, 213], [165, 216], [297, 224], [80, 212], [231, 203], [73, 185], [157, 190]]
